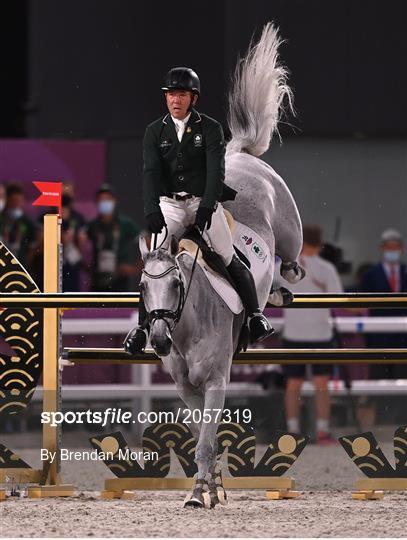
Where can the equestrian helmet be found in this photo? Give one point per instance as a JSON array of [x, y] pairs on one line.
[[182, 78]]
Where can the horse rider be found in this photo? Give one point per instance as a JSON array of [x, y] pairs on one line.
[[183, 186]]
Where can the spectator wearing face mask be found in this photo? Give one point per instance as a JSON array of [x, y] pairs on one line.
[[388, 275], [113, 237], [73, 238], [2, 198], [17, 230]]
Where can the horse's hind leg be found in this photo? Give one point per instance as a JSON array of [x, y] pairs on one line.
[[287, 230]]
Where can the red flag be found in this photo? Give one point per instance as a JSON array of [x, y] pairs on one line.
[[51, 194]]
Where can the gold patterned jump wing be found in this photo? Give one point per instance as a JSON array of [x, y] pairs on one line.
[[120, 458], [177, 437], [365, 452], [282, 452], [22, 330], [10, 460], [240, 441], [400, 451], [161, 438]]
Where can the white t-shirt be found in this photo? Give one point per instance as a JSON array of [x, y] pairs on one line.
[[310, 324]]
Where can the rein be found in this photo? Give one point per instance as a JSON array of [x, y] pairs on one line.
[[164, 314]]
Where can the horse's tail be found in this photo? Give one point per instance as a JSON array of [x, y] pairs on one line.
[[259, 87]]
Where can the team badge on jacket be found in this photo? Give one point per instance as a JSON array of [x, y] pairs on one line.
[[198, 139], [165, 144]]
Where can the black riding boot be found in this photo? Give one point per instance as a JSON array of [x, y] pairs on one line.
[[259, 327], [136, 339]]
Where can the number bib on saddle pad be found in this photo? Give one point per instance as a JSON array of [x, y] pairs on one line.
[[256, 252]]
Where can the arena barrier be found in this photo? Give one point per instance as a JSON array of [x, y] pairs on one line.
[[31, 322]]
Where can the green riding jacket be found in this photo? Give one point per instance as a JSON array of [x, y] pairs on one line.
[[195, 165]]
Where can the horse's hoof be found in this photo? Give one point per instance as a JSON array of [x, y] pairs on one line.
[[280, 297], [222, 497], [203, 501], [292, 272], [193, 502]]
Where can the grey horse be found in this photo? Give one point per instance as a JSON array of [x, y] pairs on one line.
[[202, 333]]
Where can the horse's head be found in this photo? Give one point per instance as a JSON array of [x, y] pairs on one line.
[[163, 292]]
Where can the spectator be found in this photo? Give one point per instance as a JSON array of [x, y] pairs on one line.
[[2, 198], [309, 329], [113, 241], [356, 286], [17, 230], [388, 275], [73, 238]]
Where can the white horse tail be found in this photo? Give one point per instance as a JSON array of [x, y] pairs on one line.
[[256, 100]]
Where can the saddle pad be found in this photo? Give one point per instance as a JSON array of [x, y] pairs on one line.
[[220, 285], [254, 249]]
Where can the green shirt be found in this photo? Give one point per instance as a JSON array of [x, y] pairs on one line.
[[19, 235], [116, 236]]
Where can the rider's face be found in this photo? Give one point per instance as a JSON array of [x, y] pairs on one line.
[[178, 102]]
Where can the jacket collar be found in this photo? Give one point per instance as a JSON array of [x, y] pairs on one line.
[[195, 118], [194, 121]]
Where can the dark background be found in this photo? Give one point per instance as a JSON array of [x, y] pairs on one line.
[[93, 68]]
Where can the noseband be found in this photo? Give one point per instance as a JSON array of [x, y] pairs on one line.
[[164, 314]]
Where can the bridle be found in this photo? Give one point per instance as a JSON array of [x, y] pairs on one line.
[[165, 314]]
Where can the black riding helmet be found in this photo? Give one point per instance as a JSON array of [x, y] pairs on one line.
[[182, 78]]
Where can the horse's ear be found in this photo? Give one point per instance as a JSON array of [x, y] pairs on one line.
[[143, 247], [174, 246]]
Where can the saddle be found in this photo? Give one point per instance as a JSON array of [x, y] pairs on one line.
[[191, 240]]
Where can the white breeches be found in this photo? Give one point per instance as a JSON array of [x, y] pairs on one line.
[[179, 215]]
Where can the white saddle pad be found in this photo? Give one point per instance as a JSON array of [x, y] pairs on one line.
[[257, 253]]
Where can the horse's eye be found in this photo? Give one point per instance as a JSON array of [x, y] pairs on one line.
[[175, 283]]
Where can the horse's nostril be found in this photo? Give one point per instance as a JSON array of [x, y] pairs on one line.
[[162, 345]]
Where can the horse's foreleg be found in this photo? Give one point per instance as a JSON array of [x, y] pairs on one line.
[[192, 396], [194, 399], [213, 406], [204, 493]]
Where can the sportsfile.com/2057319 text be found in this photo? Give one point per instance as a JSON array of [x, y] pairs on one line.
[[113, 415]]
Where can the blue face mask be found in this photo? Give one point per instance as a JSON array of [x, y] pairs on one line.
[[16, 213], [391, 255], [106, 207]]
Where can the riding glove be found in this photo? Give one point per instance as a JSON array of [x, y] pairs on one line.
[[203, 218], [155, 222]]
